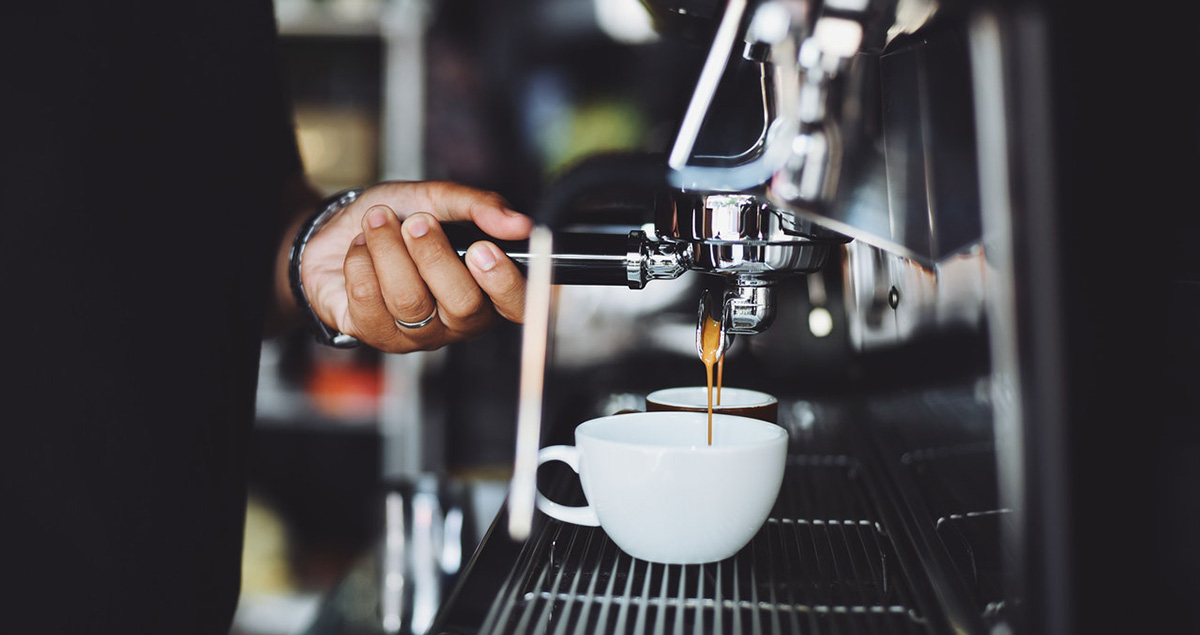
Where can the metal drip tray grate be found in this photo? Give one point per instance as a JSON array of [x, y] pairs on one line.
[[821, 563]]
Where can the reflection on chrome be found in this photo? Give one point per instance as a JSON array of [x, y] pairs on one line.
[[392, 598]]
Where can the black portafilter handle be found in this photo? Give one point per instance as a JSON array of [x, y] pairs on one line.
[[578, 259]]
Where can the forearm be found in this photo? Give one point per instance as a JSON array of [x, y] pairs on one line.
[[300, 199]]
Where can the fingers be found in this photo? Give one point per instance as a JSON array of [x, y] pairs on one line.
[[409, 272], [499, 278], [405, 295], [403, 268], [462, 305], [371, 320]]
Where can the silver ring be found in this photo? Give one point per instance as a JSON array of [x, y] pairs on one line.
[[417, 325]]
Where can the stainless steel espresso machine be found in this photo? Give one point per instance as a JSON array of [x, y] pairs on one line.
[[994, 221]]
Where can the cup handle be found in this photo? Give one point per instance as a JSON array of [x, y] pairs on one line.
[[576, 515]]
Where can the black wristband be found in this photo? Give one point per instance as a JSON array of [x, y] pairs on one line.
[[325, 211]]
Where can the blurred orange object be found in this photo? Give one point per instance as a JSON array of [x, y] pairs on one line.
[[345, 390]]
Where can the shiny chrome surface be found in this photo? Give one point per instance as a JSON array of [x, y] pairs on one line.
[[755, 164], [809, 178], [654, 260], [421, 548], [1026, 312], [748, 260], [822, 156], [741, 238], [891, 300], [740, 218], [749, 306]]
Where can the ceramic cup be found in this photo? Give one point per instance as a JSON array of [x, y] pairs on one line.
[[662, 493], [734, 401]]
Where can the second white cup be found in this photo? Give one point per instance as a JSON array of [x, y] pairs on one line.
[[732, 401]]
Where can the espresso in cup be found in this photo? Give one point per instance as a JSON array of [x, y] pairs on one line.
[[662, 493], [732, 401]]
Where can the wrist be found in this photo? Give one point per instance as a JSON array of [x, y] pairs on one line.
[[328, 208]]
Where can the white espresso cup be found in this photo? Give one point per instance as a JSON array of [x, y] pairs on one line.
[[733, 401], [662, 493]]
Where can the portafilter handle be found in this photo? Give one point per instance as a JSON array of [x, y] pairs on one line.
[[589, 258]]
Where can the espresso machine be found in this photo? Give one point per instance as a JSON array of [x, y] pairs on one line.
[[1008, 448]]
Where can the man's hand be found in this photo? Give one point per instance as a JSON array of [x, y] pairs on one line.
[[384, 262]]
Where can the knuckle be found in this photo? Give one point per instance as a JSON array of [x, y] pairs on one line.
[[512, 287], [490, 199], [467, 309], [362, 291], [470, 302], [431, 188], [508, 288], [408, 305], [434, 258]]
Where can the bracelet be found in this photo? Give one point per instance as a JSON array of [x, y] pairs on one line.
[[325, 211]]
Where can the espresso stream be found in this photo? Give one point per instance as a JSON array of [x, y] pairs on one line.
[[710, 344]]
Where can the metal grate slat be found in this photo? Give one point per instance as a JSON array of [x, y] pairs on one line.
[[608, 593], [788, 564], [584, 613], [818, 565]]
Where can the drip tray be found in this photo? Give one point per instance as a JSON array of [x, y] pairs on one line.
[[822, 563]]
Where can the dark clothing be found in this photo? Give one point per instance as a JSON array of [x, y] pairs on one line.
[[143, 152]]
